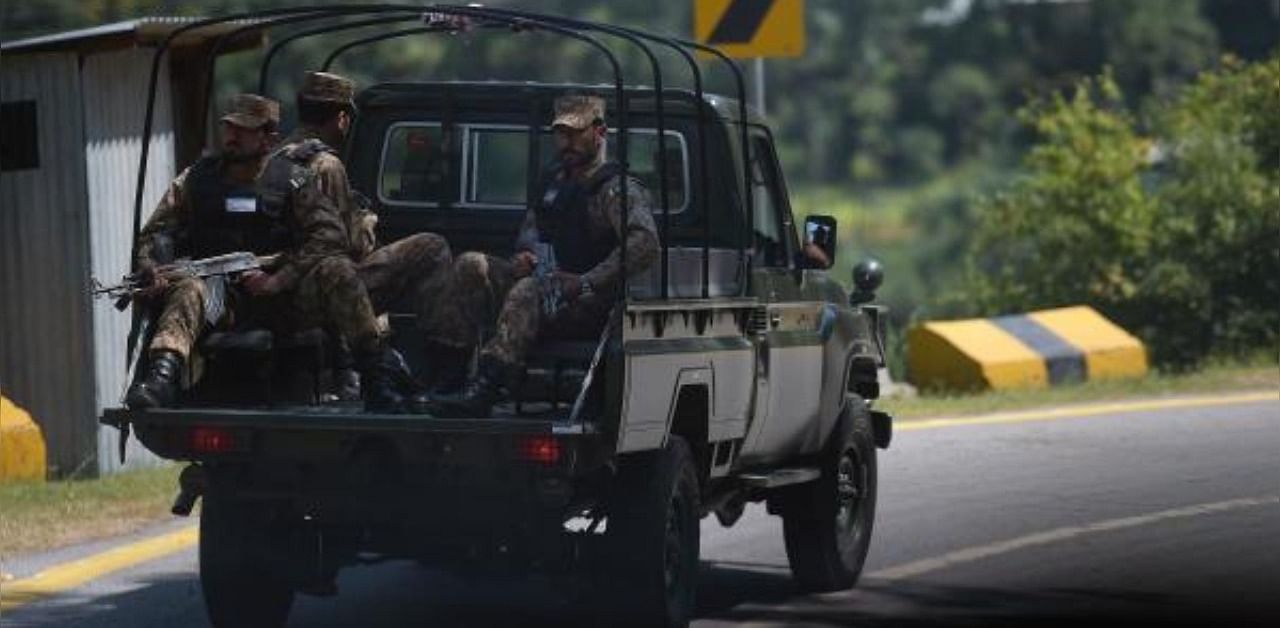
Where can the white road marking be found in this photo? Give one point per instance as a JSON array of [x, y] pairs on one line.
[[1086, 411], [970, 554]]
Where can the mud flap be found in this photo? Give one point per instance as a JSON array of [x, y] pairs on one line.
[[882, 428]]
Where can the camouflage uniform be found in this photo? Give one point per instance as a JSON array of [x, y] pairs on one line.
[[480, 282], [182, 305], [475, 292], [521, 320], [334, 274]]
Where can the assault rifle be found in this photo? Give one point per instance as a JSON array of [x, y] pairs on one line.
[[133, 284], [214, 271], [544, 272]]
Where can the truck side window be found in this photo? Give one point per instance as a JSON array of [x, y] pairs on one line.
[[498, 165], [415, 166], [769, 242], [645, 158]]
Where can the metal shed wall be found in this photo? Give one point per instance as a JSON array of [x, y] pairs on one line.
[[46, 355], [115, 87]]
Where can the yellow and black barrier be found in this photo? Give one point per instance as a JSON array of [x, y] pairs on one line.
[[22, 449], [1030, 350]]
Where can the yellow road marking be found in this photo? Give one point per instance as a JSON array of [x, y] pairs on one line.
[[971, 554], [1087, 411], [75, 573]]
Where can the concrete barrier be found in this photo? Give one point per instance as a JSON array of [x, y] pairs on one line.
[[1031, 350], [22, 449]]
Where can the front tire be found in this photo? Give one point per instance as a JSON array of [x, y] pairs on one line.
[[241, 585], [827, 523]]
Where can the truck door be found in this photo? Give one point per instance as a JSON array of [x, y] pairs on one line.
[[788, 345]]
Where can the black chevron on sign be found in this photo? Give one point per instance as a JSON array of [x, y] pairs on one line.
[[740, 22]]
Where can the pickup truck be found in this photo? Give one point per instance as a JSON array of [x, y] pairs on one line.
[[735, 370]]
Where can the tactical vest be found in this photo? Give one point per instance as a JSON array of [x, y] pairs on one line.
[[287, 171], [226, 217], [563, 220]]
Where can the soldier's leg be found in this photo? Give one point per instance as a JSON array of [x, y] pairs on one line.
[[501, 356], [332, 294], [477, 287], [413, 275], [177, 328], [181, 318], [517, 326], [453, 322], [408, 274]]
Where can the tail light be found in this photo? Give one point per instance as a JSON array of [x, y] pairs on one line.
[[540, 449], [213, 440]]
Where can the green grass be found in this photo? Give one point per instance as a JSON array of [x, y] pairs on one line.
[[1251, 375], [42, 515]]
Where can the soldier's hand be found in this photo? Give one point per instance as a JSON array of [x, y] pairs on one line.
[[570, 285], [815, 256], [259, 283], [154, 284], [522, 263]]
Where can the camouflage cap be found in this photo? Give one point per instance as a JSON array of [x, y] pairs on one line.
[[251, 111], [326, 87], [578, 111]]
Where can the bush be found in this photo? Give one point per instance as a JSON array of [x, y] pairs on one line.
[[1175, 237]]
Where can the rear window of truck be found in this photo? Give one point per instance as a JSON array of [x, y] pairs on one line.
[[486, 167]]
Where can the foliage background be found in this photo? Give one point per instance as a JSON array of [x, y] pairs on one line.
[[963, 142]]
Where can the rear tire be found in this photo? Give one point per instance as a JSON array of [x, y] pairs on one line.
[[653, 537], [241, 585], [827, 523]]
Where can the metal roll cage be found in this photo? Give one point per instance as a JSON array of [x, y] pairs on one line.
[[437, 20]]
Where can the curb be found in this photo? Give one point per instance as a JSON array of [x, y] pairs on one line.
[[1032, 350]]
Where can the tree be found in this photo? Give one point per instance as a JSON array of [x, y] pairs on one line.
[[1221, 203], [1176, 238]]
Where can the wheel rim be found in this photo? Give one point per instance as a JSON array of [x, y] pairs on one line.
[[851, 488]]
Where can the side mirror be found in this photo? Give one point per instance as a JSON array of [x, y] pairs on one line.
[[867, 277], [819, 242]]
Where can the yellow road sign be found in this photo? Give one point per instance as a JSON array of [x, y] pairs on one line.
[[751, 28]]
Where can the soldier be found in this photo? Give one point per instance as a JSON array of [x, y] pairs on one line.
[[580, 217], [332, 275], [209, 209]]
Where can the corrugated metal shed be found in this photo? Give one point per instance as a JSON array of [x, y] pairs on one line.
[[46, 353], [113, 142], [70, 218], [147, 31]]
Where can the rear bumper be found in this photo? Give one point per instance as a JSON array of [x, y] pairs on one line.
[[339, 419], [377, 467]]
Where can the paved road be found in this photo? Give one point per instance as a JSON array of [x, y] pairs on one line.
[[1170, 515]]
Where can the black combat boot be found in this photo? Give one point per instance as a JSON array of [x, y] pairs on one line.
[[344, 382], [477, 396], [378, 381], [446, 377], [345, 385], [160, 386], [401, 375]]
